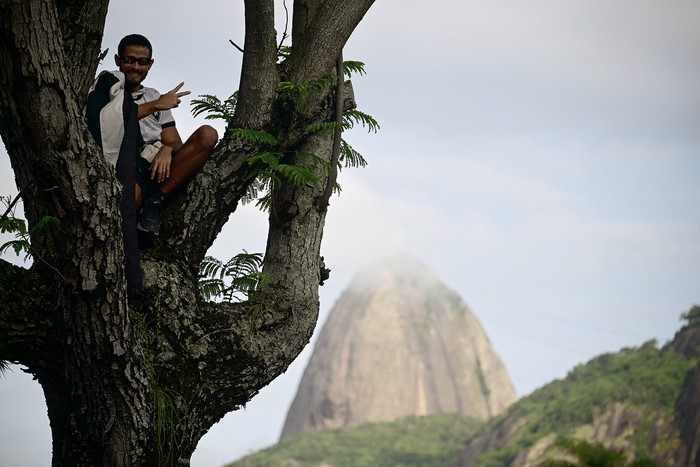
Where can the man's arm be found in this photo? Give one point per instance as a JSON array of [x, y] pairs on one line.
[[160, 167], [167, 101], [170, 137]]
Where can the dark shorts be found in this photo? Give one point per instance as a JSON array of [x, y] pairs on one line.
[[143, 179]]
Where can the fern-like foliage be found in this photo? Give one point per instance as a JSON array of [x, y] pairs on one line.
[[270, 159], [311, 160], [45, 229], [302, 172], [299, 92], [298, 175], [350, 119], [233, 280], [254, 135], [327, 128], [273, 162], [21, 242], [355, 116], [214, 107], [353, 66], [349, 157]]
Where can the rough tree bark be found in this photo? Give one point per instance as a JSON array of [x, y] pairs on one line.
[[136, 378]]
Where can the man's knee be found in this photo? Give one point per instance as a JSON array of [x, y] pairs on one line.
[[207, 136]]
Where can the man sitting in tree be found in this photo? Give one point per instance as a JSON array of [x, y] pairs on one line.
[[172, 162], [115, 103], [135, 128]]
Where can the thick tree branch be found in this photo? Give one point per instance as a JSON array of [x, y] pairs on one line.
[[303, 12], [82, 25], [259, 71], [317, 47], [213, 195], [195, 219]]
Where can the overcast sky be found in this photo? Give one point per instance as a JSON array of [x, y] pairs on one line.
[[541, 157]]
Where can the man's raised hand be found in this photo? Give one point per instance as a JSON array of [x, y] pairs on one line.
[[171, 99]]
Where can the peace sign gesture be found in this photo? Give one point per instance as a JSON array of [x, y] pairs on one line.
[[171, 99]]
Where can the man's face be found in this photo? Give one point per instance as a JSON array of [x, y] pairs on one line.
[[135, 72]]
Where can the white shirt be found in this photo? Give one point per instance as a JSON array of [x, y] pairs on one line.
[[152, 125]]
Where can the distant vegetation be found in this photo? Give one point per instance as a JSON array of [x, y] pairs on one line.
[[594, 454], [414, 441], [646, 377], [643, 376]]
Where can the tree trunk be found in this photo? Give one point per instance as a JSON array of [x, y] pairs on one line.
[[137, 377]]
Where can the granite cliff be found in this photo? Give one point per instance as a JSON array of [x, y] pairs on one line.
[[397, 343]]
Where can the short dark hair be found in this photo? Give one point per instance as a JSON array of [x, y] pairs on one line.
[[134, 39]]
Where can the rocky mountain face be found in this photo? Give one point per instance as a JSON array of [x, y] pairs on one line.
[[398, 342]]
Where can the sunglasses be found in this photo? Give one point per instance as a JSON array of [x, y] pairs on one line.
[[130, 60]]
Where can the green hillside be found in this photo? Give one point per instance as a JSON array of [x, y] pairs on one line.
[[644, 377], [413, 441], [646, 380]]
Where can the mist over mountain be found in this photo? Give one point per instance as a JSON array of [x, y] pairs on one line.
[[398, 343]]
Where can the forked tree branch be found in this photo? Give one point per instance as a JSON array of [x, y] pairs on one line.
[[318, 46], [82, 25], [259, 68]]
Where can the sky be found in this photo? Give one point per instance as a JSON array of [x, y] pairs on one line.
[[541, 157]]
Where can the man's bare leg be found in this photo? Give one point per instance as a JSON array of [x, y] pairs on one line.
[[139, 197], [190, 158], [186, 161]]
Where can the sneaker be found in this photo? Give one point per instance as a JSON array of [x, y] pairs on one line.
[[149, 220]]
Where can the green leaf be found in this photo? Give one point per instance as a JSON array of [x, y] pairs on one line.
[[327, 128], [271, 159], [46, 225], [298, 92], [350, 156], [284, 52], [19, 246], [352, 66], [231, 280], [254, 189], [213, 105], [297, 175], [253, 135], [13, 225], [356, 116], [311, 160], [264, 203]]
